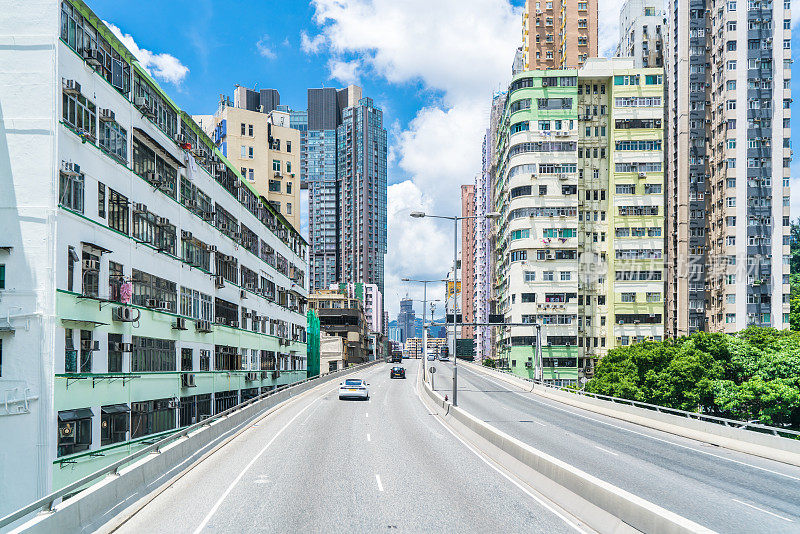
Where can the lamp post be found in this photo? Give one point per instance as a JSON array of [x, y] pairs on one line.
[[424, 306], [455, 219]]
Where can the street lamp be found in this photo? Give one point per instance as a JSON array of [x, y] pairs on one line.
[[455, 219], [424, 306]]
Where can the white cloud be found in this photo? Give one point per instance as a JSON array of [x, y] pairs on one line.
[[311, 45], [264, 49], [162, 66], [460, 51], [344, 71], [608, 28]]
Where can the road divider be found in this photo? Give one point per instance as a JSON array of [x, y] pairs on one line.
[[768, 446], [633, 511]]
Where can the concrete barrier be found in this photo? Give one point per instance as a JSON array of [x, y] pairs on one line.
[[634, 511], [110, 495], [769, 446]]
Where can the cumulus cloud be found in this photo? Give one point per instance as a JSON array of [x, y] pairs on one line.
[[608, 28], [162, 66], [460, 51], [344, 71], [311, 45], [264, 48]]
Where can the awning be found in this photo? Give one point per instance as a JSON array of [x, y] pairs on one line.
[[96, 246], [156, 145], [115, 408], [89, 322], [73, 415]]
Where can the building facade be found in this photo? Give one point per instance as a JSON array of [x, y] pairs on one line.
[[468, 249], [642, 31], [146, 286], [371, 298], [558, 35], [262, 101], [579, 184], [361, 177], [406, 320], [729, 71], [264, 148], [343, 316]]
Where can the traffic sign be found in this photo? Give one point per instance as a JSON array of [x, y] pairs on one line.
[[432, 369]]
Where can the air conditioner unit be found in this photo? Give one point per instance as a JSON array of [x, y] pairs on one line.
[[276, 374], [91, 265], [92, 57], [187, 380], [123, 314], [219, 282], [139, 207], [90, 345], [203, 326], [106, 115], [544, 83], [70, 169], [186, 234], [162, 221], [70, 87], [153, 177], [234, 324], [250, 377], [180, 324], [212, 249], [264, 375], [642, 175], [243, 294], [236, 236], [151, 303]]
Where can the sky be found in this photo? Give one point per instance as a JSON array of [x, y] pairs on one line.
[[430, 66]]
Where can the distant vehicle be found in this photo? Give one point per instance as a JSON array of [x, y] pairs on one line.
[[354, 388], [396, 358], [444, 358], [397, 372], [431, 357]]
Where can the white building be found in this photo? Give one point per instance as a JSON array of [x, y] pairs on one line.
[[642, 33], [146, 286], [371, 296]]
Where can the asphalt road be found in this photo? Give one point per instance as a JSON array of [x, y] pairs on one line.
[[721, 489], [325, 465]]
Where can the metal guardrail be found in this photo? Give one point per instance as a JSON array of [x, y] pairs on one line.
[[744, 425], [46, 503]]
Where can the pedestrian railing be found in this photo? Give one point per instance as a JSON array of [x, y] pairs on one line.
[[47, 502]]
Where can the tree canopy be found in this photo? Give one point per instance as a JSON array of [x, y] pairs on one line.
[[752, 375]]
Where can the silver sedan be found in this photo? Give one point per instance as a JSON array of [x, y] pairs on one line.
[[354, 388]]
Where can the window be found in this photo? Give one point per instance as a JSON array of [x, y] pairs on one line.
[[519, 255], [151, 354], [547, 276], [205, 360], [118, 212], [652, 189], [275, 186], [74, 431], [2, 276], [113, 423], [566, 276], [519, 234], [530, 276], [148, 288], [114, 140], [250, 152], [187, 355], [250, 130], [81, 114], [70, 191], [288, 208], [628, 297], [276, 165], [244, 129], [151, 417], [653, 79], [628, 79], [288, 147]]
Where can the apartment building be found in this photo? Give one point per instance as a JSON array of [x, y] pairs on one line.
[[361, 175], [145, 284], [343, 316], [468, 246], [558, 34], [371, 298], [264, 148], [728, 130], [579, 184], [642, 32]]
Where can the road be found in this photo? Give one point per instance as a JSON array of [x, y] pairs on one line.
[[324, 465], [721, 489]]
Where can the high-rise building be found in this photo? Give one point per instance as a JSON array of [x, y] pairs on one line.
[[361, 176], [262, 101], [115, 209], [324, 115], [468, 246], [406, 319], [642, 30], [728, 73], [558, 34], [264, 148], [580, 187]]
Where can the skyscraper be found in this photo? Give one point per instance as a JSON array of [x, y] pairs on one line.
[[406, 320], [324, 115], [361, 176], [642, 32], [727, 166], [262, 101], [558, 34]]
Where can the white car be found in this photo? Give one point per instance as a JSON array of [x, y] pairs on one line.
[[431, 357], [354, 388], [444, 358]]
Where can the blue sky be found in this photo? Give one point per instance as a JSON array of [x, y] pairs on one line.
[[431, 67]]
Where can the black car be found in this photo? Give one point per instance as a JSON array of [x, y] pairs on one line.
[[397, 372], [396, 358]]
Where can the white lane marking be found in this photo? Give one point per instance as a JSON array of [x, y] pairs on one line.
[[378, 480], [606, 450], [216, 506], [368, 438], [645, 435], [310, 414], [538, 423], [762, 510], [507, 477], [366, 414]]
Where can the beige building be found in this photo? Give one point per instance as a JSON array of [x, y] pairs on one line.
[[331, 353], [264, 149], [558, 34]]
